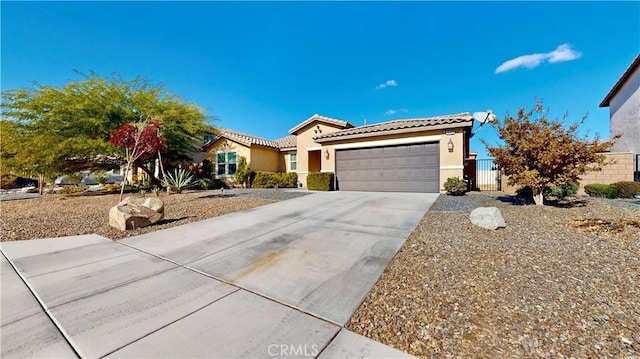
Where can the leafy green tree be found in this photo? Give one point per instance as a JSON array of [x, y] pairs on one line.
[[53, 130], [544, 154]]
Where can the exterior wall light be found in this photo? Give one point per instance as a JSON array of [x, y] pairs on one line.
[[450, 145], [326, 154]]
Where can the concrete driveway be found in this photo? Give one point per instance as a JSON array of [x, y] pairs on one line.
[[274, 281]]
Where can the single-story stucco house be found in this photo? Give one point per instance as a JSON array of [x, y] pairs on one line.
[[623, 101], [407, 155]]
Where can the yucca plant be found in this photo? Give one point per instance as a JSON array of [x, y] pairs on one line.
[[179, 180]]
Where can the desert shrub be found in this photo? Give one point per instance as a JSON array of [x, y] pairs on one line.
[[455, 186], [73, 189], [208, 183], [7, 181], [179, 180], [145, 183], [627, 189], [100, 176], [74, 178], [563, 191], [524, 192], [601, 190], [320, 181], [110, 187], [275, 180]]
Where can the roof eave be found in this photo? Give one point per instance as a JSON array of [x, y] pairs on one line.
[[286, 149], [316, 117], [621, 81], [468, 123]]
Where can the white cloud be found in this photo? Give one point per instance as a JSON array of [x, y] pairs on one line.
[[561, 54], [391, 112], [388, 83]]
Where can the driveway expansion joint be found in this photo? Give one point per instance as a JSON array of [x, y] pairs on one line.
[[237, 286], [46, 310]]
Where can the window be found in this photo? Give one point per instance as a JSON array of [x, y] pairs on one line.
[[293, 161], [226, 163]]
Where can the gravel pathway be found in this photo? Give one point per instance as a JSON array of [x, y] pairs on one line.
[[48, 216], [538, 288]]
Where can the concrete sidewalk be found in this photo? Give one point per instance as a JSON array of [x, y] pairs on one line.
[[274, 281]]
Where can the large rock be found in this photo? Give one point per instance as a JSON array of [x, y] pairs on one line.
[[134, 213], [487, 217]]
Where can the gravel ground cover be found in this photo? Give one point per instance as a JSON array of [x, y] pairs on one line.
[[48, 216], [538, 288]]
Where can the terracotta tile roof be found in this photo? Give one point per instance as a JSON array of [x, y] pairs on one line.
[[401, 126], [286, 143], [243, 138], [316, 117], [621, 81]]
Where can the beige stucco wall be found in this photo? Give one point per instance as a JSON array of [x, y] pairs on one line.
[[620, 170], [451, 163], [284, 161], [226, 145], [264, 159], [624, 112], [305, 141]]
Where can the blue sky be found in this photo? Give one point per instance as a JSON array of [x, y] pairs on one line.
[[263, 67]]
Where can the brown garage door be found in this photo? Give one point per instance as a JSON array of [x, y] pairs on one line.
[[401, 168]]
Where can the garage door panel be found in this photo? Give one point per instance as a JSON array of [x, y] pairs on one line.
[[403, 168]]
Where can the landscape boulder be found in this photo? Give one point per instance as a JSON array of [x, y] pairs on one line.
[[487, 217], [134, 213]]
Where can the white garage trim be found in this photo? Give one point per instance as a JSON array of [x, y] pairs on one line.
[[391, 142], [459, 167], [314, 149]]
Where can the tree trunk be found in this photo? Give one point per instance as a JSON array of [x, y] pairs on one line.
[[124, 181], [41, 184], [538, 198], [152, 177]]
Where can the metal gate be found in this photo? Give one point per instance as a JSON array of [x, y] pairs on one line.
[[636, 168], [488, 175]]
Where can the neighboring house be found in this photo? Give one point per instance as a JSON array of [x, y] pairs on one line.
[[624, 109], [409, 155]]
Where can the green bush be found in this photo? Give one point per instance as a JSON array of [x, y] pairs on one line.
[[207, 183], [320, 181], [525, 192], [242, 172], [627, 189], [455, 186], [275, 180], [74, 178], [100, 176], [601, 190], [207, 169], [562, 191]]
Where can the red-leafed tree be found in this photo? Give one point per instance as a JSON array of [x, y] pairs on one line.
[[542, 153], [140, 141]]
